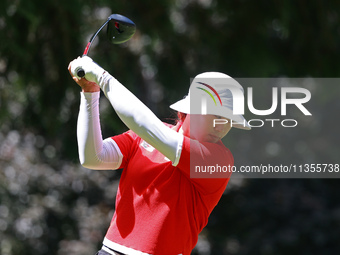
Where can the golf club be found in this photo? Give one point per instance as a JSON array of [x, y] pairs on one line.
[[119, 30]]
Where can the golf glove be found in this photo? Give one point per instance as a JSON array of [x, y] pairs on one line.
[[93, 71]]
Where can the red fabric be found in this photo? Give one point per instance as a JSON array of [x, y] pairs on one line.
[[159, 208]]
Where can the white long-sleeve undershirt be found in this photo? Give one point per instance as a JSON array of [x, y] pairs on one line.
[[95, 153]]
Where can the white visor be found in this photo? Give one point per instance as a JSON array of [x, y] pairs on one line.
[[216, 94]]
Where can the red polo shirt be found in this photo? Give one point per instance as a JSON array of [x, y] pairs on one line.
[[160, 210]]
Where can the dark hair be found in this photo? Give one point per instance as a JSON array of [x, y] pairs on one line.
[[176, 117], [181, 116]]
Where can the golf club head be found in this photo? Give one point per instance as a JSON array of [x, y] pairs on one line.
[[120, 29]]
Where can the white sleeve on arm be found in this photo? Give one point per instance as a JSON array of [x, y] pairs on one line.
[[141, 120], [94, 153]]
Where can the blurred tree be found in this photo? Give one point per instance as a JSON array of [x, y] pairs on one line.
[[51, 205]]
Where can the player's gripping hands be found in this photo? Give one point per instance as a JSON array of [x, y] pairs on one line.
[[93, 73]]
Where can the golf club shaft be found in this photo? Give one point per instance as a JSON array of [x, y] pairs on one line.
[[81, 72]]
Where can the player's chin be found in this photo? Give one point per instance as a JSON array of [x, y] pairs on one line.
[[212, 138]]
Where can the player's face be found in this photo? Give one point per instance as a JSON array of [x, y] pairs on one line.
[[202, 128]]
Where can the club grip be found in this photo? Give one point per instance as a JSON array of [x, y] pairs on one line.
[[81, 73]]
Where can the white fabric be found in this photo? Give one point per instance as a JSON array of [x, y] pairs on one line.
[[120, 248], [136, 116], [91, 69], [94, 153], [140, 119]]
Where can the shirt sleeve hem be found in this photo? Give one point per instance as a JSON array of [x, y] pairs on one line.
[[178, 151]]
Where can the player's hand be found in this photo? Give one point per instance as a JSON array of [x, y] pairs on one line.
[[92, 73]]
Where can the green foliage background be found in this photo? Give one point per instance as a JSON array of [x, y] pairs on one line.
[[49, 204]]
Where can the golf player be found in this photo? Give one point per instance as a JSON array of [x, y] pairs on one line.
[[160, 208]]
